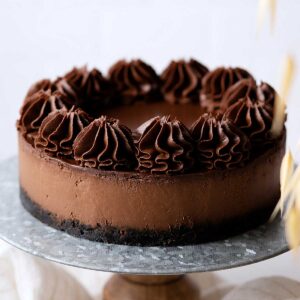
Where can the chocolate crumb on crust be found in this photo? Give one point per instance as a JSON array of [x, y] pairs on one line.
[[175, 236]]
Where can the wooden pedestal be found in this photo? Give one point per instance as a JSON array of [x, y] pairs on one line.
[[140, 287]]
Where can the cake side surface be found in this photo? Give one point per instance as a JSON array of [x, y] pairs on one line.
[[132, 208]]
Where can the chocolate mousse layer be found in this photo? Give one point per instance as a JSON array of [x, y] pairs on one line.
[[147, 209]]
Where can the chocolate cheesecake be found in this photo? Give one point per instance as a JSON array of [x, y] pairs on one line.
[[139, 158]]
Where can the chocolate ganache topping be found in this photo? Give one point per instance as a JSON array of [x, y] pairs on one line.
[[36, 108], [61, 117], [44, 85], [105, 144], [165, 146], [69, 84], [269, 93], [219, 143], [135, 80], [253, 117], [181, 81], [59, 130], [86, 89], [216, 82], [248, 87]]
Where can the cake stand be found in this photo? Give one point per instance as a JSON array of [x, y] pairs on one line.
[[143, 273]]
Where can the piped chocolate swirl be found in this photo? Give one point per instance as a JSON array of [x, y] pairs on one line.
[[35, 109], [59, 130], [263, 93], [105, 144], [135, 80], [216, 83], [219, 143], [41, 85], [250, 107], [165, 147], [89, 90], [182, 81], [253, 117]]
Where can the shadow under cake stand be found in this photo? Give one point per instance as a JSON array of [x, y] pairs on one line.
[[143, 273]]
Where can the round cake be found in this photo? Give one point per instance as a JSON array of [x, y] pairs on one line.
[[137, 158]]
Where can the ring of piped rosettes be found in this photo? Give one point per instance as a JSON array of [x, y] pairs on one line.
[[63, 118]]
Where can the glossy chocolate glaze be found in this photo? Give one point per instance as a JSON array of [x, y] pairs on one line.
[[135, 114]]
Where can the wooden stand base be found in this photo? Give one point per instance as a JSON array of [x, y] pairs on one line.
[[140, 287]]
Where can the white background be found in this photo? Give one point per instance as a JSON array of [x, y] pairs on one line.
[[41, 39]]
